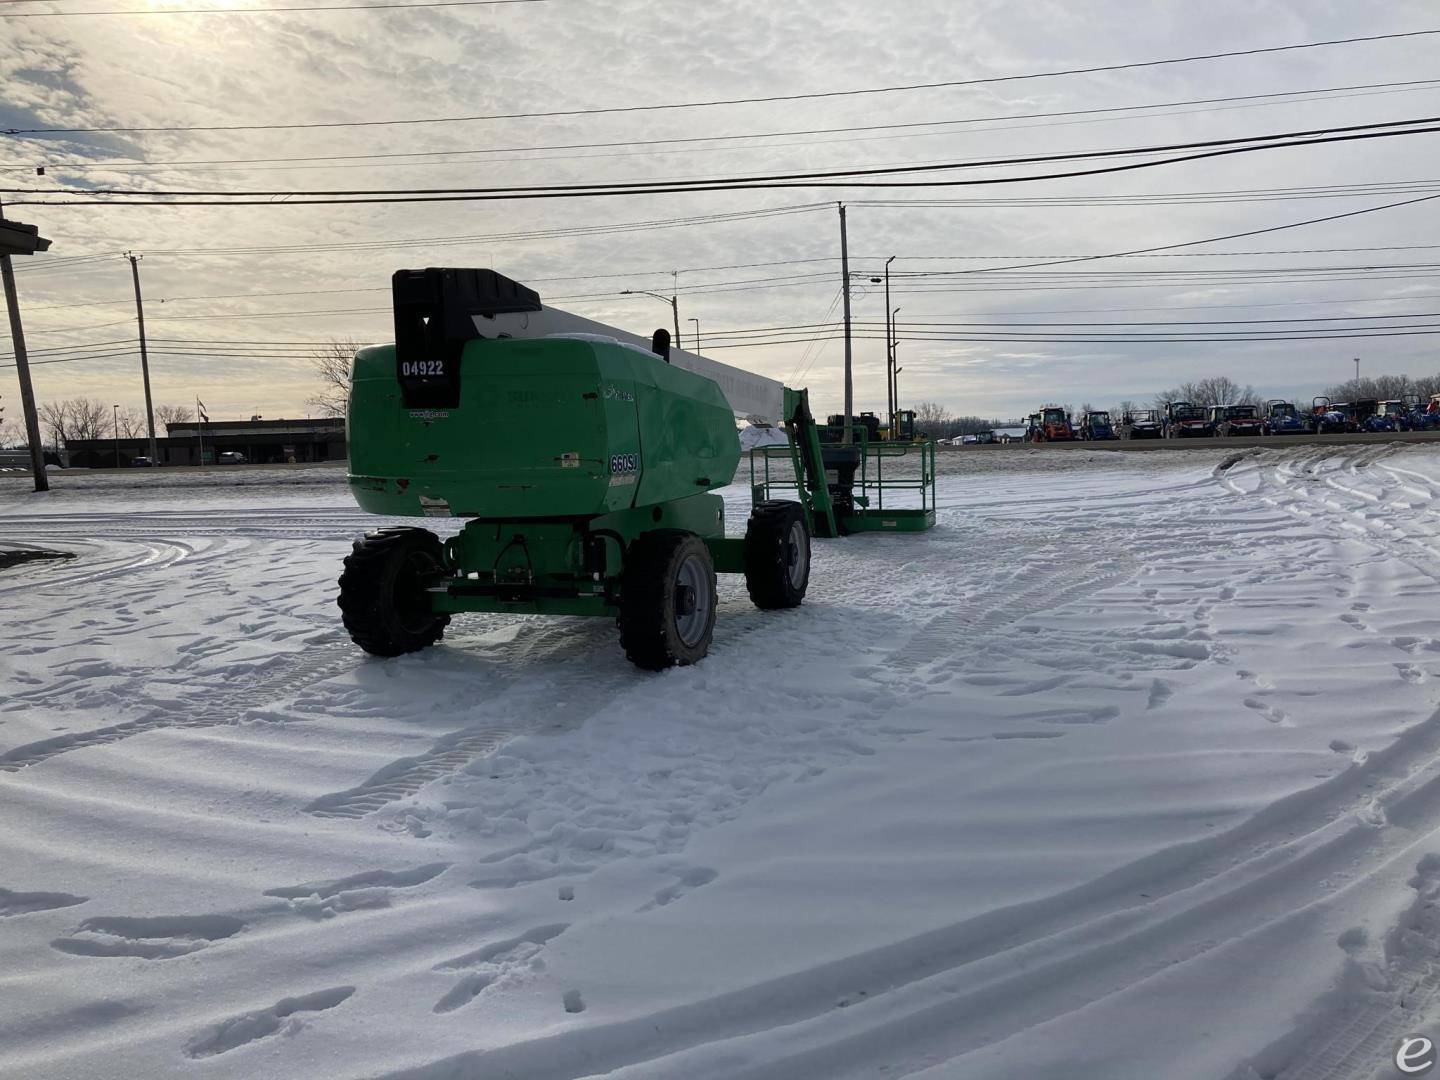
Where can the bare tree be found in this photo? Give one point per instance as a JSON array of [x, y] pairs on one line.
[[332, 362], [132, 423], [77, 418], [930, 414], [10, 433], [1377, 388], [173, 414], [89, 419], [55, 416], [1125, 408]]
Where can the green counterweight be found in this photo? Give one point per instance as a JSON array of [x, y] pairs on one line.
[[544, 428]]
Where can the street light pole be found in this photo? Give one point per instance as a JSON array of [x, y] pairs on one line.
[[673, 301], [117, 435], [893, 342], [144, 356], [697, 333], [1357, 369], [675, 304]]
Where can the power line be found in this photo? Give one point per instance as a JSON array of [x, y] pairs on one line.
[[833, 179], [259, 10], [827, 174], [650, 144], [987, 80]]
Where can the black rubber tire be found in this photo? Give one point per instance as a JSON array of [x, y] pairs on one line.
[[777, 555], [650, 620], [382, 597]]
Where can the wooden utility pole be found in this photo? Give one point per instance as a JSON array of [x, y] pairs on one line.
[[144, 357], [889, 353], [846, 435], [18, 239]]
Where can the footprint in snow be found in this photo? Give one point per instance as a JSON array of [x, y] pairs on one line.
[[1410, 673], [688, 881], [1272, 713], [370, 889], [494, 962], [246, 1028], [1160, 692], [25, 903], [160, 937]]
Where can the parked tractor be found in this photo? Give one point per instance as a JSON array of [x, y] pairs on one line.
[[1329, 418], [1096, 426], [1052, 424], [1283, 418], [1143, 424], [585, 461], [1236, 420], [1373, 417], [1420, 415], [1186, 421]]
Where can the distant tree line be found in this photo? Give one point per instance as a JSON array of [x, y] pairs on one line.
[[88, 418], [935, 420]]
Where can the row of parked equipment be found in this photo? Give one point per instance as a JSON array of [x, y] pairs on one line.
[[1181, 419]]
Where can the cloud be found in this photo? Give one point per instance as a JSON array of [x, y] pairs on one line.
[[217, 70]]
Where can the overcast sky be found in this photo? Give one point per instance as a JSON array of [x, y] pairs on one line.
[[241, 68]]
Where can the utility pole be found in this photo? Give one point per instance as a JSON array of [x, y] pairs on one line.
[[1357, 369], [697, 333], [117, 435], [889, 352], [144, 356], [18, 239], [894, 371], [846, 435]]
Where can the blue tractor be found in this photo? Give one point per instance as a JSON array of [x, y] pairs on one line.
[[1096, 426], [1370, 416], [1282, 418], [1330, 417]]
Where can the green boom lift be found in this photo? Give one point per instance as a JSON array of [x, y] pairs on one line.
[[586, 461]]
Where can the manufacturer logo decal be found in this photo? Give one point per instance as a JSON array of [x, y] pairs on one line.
[[429, 414]]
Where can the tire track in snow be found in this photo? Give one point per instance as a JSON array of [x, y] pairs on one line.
[[1105, 565], [1042, 959], [227, 705]]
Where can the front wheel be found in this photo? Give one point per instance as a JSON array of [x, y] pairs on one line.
[[667, 600], [383, 597], [777, 555]]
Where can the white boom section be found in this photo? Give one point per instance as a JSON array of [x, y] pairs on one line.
[[750, 395]]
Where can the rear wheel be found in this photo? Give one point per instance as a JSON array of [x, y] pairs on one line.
[[383, 594], [667, 600], [777, 555]]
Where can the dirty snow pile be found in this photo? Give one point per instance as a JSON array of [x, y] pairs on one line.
[[1130, 768]]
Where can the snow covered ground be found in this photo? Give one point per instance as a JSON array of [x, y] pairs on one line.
[[1131, 768]]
